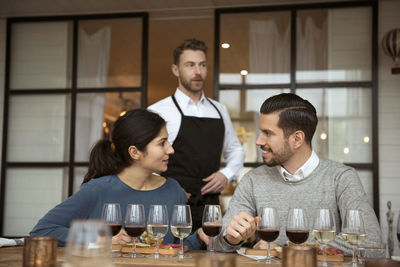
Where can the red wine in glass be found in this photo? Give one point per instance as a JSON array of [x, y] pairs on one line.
[[134, 225], [268, 229], [115, 228], [297, 236], [211, 230], [134, 231], [268, 235]]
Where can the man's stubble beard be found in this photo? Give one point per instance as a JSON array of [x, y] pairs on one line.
[[282, 157], [187, 86]]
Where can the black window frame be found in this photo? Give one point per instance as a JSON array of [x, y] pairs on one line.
[[73, 92], [373, 84]]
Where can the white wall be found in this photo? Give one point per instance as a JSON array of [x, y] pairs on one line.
[[389, 120]]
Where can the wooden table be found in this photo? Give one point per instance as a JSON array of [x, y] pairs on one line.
[[12, 257]]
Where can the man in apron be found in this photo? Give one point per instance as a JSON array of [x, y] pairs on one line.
[[200, 130]]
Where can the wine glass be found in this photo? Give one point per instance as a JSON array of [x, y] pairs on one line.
[[353, 231], [157, 226], [324, 231], [268, 229], [212, 223], [297, 226], [181, 226], [88, 244], [134, 225], [111, 214]]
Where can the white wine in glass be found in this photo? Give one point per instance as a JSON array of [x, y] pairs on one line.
[[157, 226], [324, 231], [181, 226], [268, 229], [353, 232]]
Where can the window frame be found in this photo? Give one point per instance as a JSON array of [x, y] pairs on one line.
[[373, 83], [72, 92]]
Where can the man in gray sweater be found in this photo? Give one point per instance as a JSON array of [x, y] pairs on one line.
[[294, 177]]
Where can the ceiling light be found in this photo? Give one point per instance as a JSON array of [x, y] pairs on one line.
[[244, 72], [225, 45]]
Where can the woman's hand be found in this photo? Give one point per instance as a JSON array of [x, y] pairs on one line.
[[121, 238], [202, 236]]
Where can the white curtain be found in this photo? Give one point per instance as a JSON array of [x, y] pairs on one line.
[[269, 50], [311, 46], [93, 61]]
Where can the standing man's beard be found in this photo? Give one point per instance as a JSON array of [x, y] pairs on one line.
[[280, 157], [187, 86]]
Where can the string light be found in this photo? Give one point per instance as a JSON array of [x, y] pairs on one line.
[[346, 150], [323, 136], [366, 139]]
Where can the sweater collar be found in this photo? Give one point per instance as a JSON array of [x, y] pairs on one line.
[[304, 171]]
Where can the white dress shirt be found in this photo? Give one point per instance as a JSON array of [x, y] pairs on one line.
[[303, 171], [232, 149]]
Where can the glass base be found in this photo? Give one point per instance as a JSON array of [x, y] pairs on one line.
[[115, 254], [154, 256], [353, 264], [326, 264], [184, 256], [269, 261], [131, 255]]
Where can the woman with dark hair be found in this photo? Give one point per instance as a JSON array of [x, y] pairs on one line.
[[124, 170]]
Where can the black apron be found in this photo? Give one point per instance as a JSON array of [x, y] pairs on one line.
[[198, 148]]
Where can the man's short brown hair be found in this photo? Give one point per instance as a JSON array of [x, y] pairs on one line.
[[189, 44]]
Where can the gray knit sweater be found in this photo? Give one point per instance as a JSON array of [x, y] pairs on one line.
[[331, 185]]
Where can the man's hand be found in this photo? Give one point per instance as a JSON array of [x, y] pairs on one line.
[[241, 227], [216, 182], [121, 238], [263, 245]]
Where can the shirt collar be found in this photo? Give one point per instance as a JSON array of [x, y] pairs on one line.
[[303, 171], [181, 97]]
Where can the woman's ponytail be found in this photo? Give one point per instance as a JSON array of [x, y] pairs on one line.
[[103, 161]]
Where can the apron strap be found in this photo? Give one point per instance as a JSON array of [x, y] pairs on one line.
[[215, 108], [176, 104]]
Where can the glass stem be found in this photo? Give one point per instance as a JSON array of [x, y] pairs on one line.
[[324, 262], [181, 246], [134, 247], [156, 253], [268, 260], [211, 245], [354, 260]]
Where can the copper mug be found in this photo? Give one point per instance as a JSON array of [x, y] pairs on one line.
[[216, 260], [299, 256], [40, 251]]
